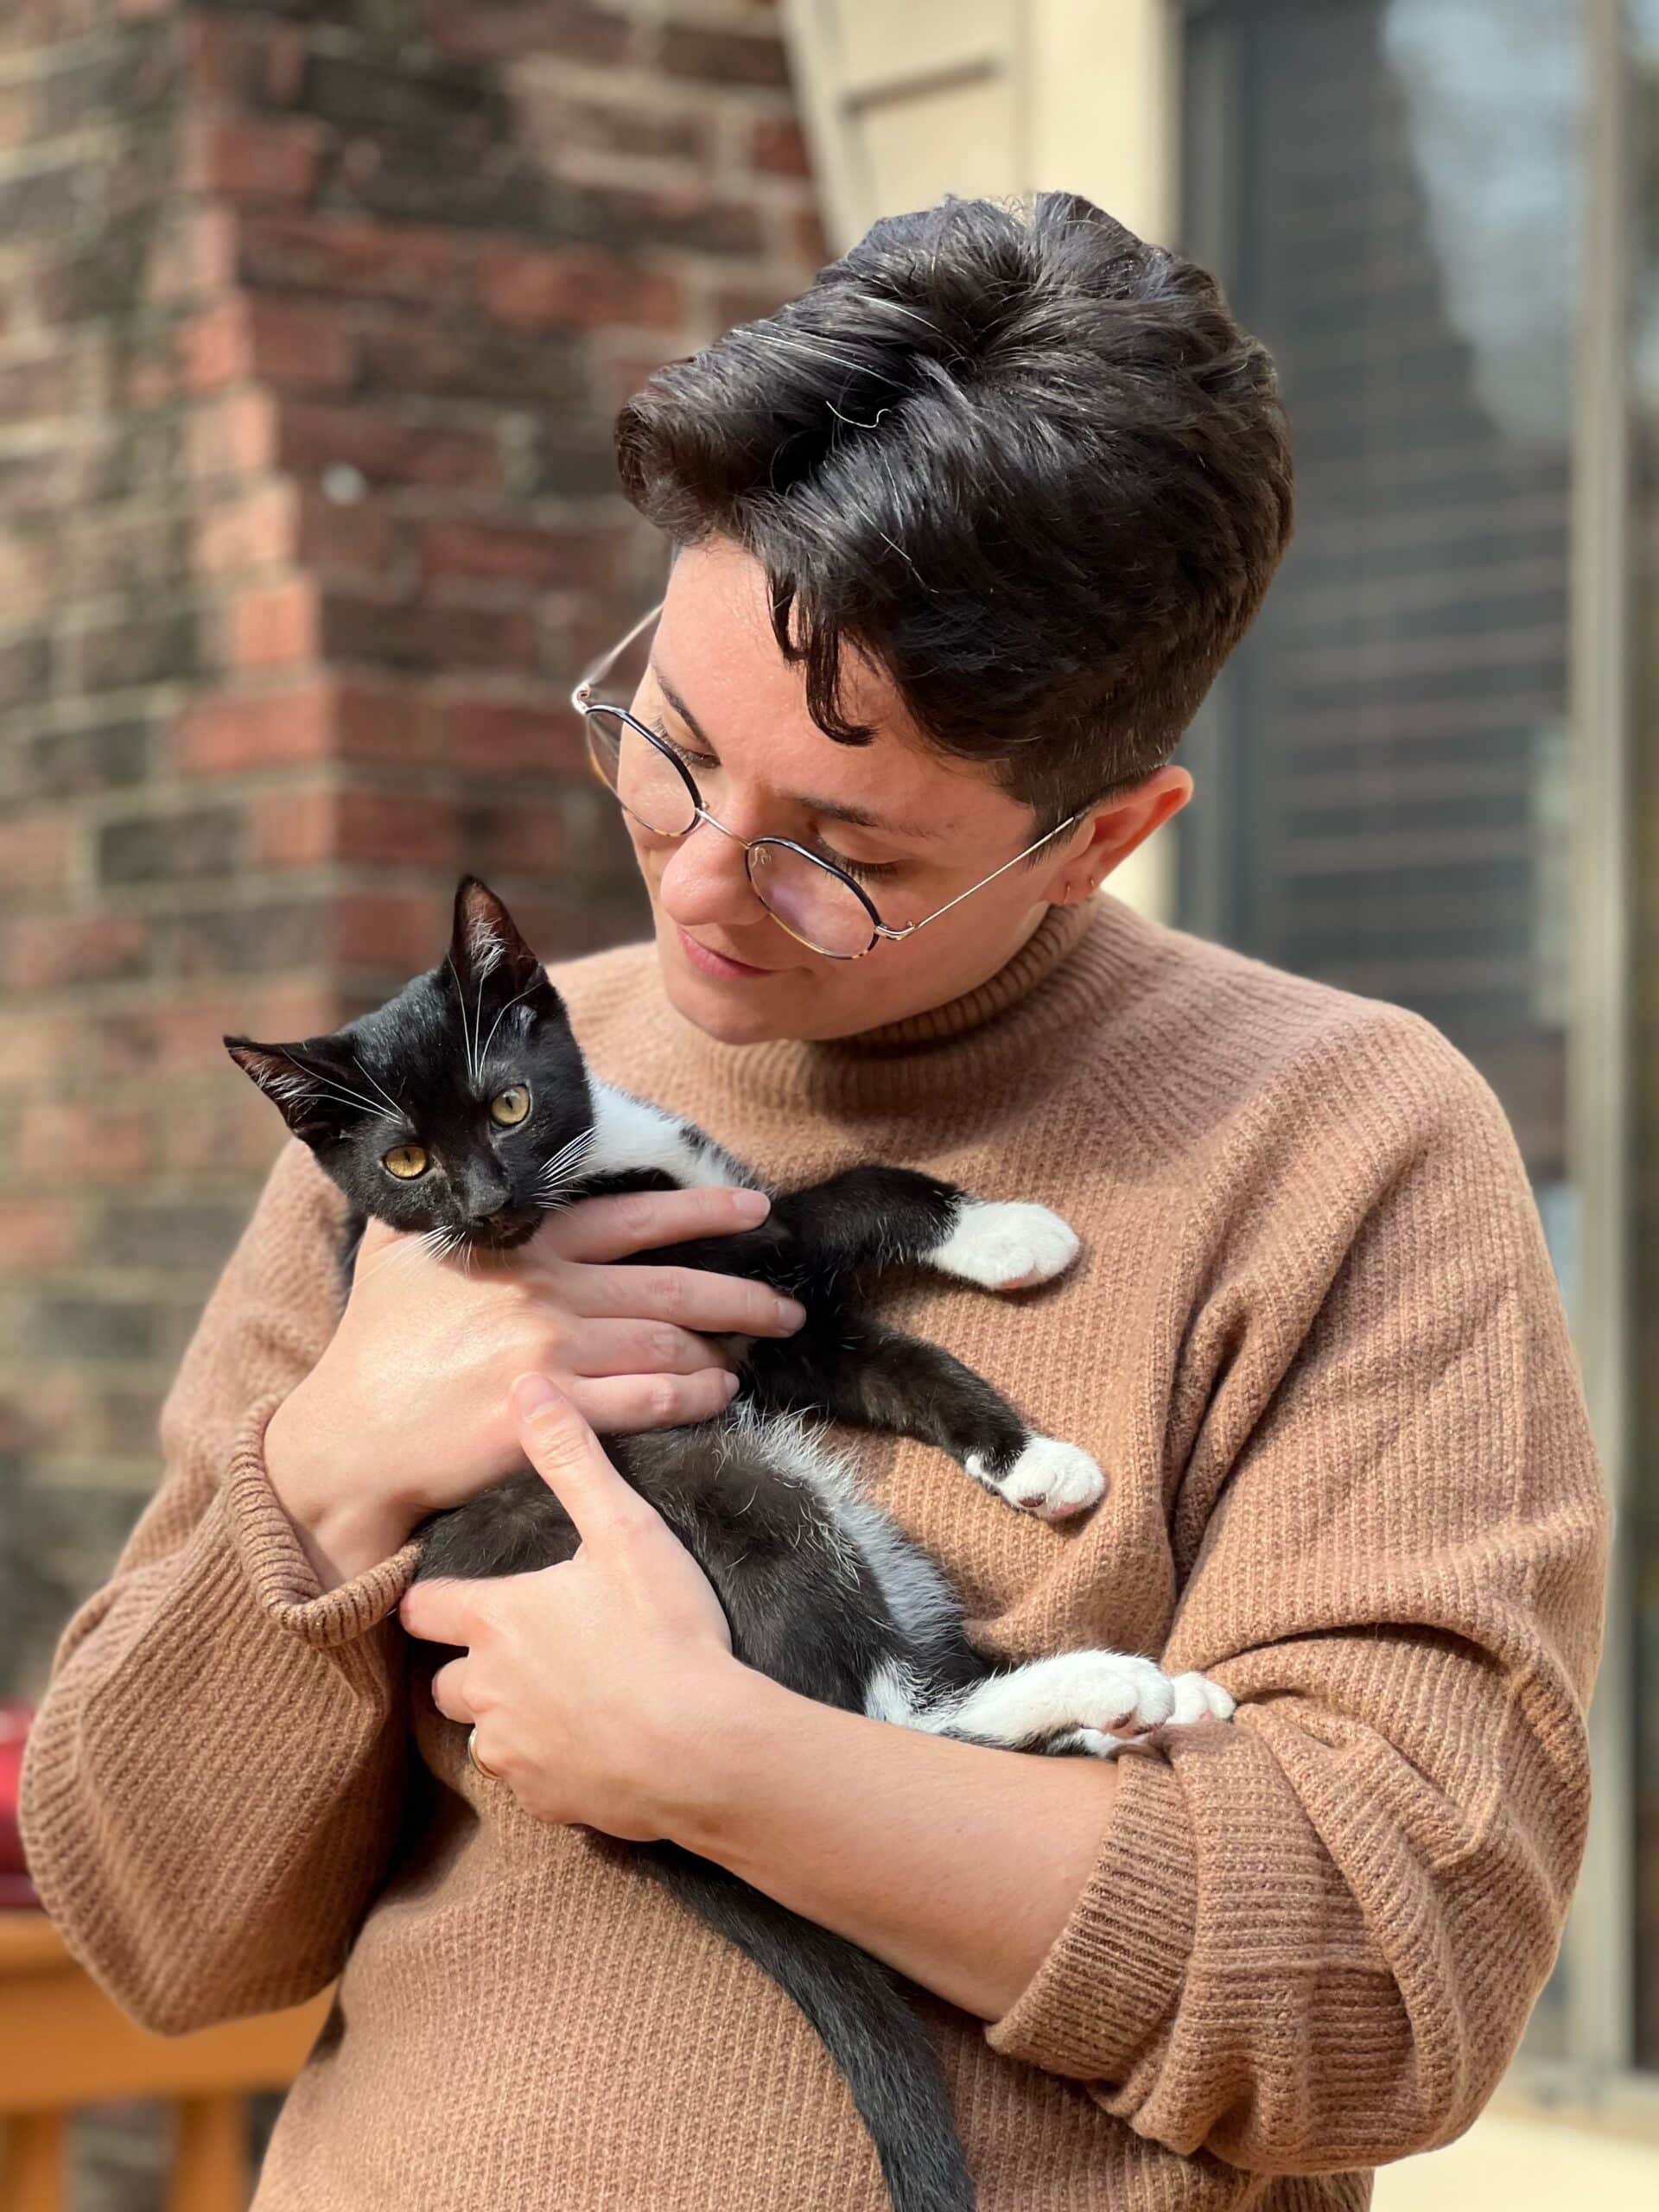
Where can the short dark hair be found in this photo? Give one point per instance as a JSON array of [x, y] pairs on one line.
[[1023, 461]]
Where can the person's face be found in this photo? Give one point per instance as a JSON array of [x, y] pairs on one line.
[[914, 827]]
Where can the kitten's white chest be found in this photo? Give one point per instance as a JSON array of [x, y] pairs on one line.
[[630, 1134]]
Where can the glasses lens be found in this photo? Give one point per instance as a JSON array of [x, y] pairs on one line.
[[823, 909], [644, 777]]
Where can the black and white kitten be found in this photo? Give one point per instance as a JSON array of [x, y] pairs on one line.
[[462, 1110]]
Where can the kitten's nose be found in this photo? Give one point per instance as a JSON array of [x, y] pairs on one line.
[[487, 1197]]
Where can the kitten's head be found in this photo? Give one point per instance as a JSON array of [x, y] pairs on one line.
[[461, 1106]]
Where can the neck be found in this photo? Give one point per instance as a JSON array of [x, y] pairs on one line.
[[994, 1033]]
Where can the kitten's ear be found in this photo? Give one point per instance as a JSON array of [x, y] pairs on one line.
[[485, 944], [309, 1092]]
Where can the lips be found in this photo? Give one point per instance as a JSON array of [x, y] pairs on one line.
[[722, 964]]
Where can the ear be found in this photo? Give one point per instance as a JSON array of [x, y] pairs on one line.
[[485, 946], [308, 1089]]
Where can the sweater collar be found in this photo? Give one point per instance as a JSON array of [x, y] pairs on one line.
[[986, 1036]]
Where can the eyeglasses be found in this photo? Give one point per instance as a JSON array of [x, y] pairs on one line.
[[819, 903]]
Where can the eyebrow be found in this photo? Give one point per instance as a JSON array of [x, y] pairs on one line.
[[831, 810]]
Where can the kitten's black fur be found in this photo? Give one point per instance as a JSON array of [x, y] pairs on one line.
[[821, 1591]]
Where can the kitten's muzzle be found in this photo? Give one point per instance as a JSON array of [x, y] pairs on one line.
[[504, 1232]]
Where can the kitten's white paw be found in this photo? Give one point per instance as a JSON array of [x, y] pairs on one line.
[[1197, 1698], [1005, 1245], [1051, 1479]]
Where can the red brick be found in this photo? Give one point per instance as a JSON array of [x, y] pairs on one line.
[[540, 556], [778, 146], [290, 346], [304, 828], [300, 348], [495, 738], [196, 255], [354, 256], [187, 1038], [314, 438], [522, 837], [229, 1122], [807, 236], [234, 436], [36, 1048], [397, 930], [385, 723], [338, 537], [397, 828], [49, 950], [345, 719], [532, 290], [89, 1137], [36, 1233], [274, 627], [216, 349], [227, 735], [296, 829], [33, 853], [245, 160], [242, 536]]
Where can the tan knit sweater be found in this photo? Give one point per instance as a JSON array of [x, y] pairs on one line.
[[1316, 1343]]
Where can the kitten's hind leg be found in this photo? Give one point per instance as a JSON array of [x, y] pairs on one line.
[[894, 1216], [884, 1380]]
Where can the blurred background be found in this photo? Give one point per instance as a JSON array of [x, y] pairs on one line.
[[313, 319]]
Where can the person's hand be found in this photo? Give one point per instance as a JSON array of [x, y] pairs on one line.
[[406, 1412], [591, 1683]]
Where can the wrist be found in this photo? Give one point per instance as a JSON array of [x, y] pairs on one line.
[[341, 1533]]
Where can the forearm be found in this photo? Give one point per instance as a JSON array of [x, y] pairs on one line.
[[957, 1864]]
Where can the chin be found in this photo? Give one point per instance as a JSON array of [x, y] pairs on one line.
[[720, 1011]]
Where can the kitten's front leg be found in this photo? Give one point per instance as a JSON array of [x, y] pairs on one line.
[[1094, 1701], [1004, 1244]]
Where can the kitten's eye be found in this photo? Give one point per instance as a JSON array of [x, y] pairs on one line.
[[510, 1106], [406, 1161]]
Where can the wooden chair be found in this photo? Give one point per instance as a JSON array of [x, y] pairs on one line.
[[63, 2044]]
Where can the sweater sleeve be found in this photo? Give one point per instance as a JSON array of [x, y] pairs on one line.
[[216, 1773], [1313, 1938]]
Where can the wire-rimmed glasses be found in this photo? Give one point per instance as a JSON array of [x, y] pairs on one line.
[[819, 903]]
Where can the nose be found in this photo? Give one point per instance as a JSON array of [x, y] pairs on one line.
[[705, 879], [484, 1194]]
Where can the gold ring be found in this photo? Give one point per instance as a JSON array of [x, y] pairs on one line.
[[488, 1772]]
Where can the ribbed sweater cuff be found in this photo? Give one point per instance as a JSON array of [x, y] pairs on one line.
[[1116, 1968], [283, 1578]]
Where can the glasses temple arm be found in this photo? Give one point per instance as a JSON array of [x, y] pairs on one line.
[[608, 660], [1048, 836]]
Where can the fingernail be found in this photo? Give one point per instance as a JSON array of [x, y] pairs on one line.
[[530, 1394], [731, 1386], [790, 1314], [751, 1206]]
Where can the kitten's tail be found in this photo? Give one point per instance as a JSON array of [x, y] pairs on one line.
[[861, 2016]]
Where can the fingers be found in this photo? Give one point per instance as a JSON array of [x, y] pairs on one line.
[[614, 1347], [710, 1305], [610, 1229], [438, 1612], [617, 1405], [570, 1458], [449, 1692]]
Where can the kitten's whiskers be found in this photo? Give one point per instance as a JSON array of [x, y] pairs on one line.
[[375, 1084]]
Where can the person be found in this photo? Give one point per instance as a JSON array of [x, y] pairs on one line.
[[961, 536]]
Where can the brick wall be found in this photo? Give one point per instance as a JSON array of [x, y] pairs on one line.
[[313, 321]]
